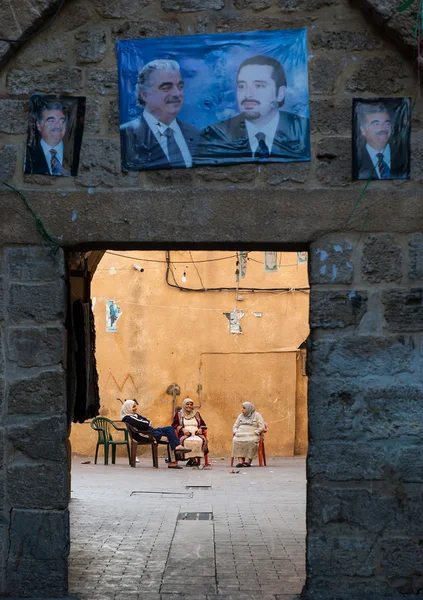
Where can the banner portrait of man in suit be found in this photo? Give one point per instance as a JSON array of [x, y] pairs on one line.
[[157, 139], [55, 134], [381, 138], [214, 99]]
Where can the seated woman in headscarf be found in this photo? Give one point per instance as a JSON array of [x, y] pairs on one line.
[[190, 428], [128, 414], [247, 430]]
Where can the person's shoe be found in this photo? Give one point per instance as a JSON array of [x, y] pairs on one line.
[[239, 465], [174, 465], [184, 450], [246, 464]]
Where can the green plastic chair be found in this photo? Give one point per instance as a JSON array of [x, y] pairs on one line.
[[103, 427]]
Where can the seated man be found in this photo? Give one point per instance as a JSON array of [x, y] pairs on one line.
[[128, 414]]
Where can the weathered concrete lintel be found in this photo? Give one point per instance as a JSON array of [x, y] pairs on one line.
[[197, 217]]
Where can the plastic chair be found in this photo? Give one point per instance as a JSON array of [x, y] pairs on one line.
[[103, 427], [261, 450], [148, 440]]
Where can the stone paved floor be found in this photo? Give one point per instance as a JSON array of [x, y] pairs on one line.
[[135, 547]]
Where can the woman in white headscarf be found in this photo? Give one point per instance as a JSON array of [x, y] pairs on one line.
[[247, 430], [129, 415], [190, 428]]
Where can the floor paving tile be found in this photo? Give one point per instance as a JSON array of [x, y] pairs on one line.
[[134, 546]]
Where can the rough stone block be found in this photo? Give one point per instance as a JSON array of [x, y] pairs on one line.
[[345, 40], [41, 394], [120, 9], [8, 158], [335, 409], [191, 5], [254, 22], [280, 173], [168, 177], [256, 5], [373, 77], [43, 439], [30, 81], [331, 261], [409, 463], [415, 261], [328, 116], [37, 578], [401, 558], [343, 556], [74, 15], [41, 486], [381, 259], [2, 284], [36, 52], [39, 534], [235, 174], [39, 303], [354, 509], [91, 45], [334, 161], [324, 73], [34, 263], [2, 393], [348, 588], [100, 164], [403, 309], [392, 410], [103, 81], [361, 356], [33, 347], [145, 28], [2, 353], [202, 24], [113, 118], [92, 116], [332, 309], [14, 116], [348, 461]]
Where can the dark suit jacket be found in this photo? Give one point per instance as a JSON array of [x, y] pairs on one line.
[[227, 142], [140, 149], [35, 162], [400, 164]]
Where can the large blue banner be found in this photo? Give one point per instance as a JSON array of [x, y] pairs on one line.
[[214, 99]]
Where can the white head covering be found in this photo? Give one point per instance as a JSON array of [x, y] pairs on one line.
[[184, 412], [250, 414], [127, 408]]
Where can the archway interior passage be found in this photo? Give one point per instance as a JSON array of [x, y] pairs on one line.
[[226, 327]]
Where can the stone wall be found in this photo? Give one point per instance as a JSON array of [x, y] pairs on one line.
[[365, 459], [34, 476], [364, 496]]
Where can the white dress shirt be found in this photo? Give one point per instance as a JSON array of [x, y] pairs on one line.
[[373, 155], [158, 128], [269, 131], [59, 153]]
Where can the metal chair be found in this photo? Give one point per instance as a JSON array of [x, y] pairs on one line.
[[261, 449], [103, 427], [148, 440]]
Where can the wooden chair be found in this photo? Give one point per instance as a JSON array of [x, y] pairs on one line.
[[103, 427], [261, 449], [150, 440]]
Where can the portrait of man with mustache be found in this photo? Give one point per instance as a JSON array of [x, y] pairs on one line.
[[379, 153], [263, 131], [157, 139]]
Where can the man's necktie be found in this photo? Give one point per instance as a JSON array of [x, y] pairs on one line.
[[175, 155], [384, 170], [262, 150], [56, 167]]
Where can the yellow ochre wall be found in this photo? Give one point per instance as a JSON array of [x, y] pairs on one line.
[[170, 336]]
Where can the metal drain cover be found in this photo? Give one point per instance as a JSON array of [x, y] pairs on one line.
[[195, 516]]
